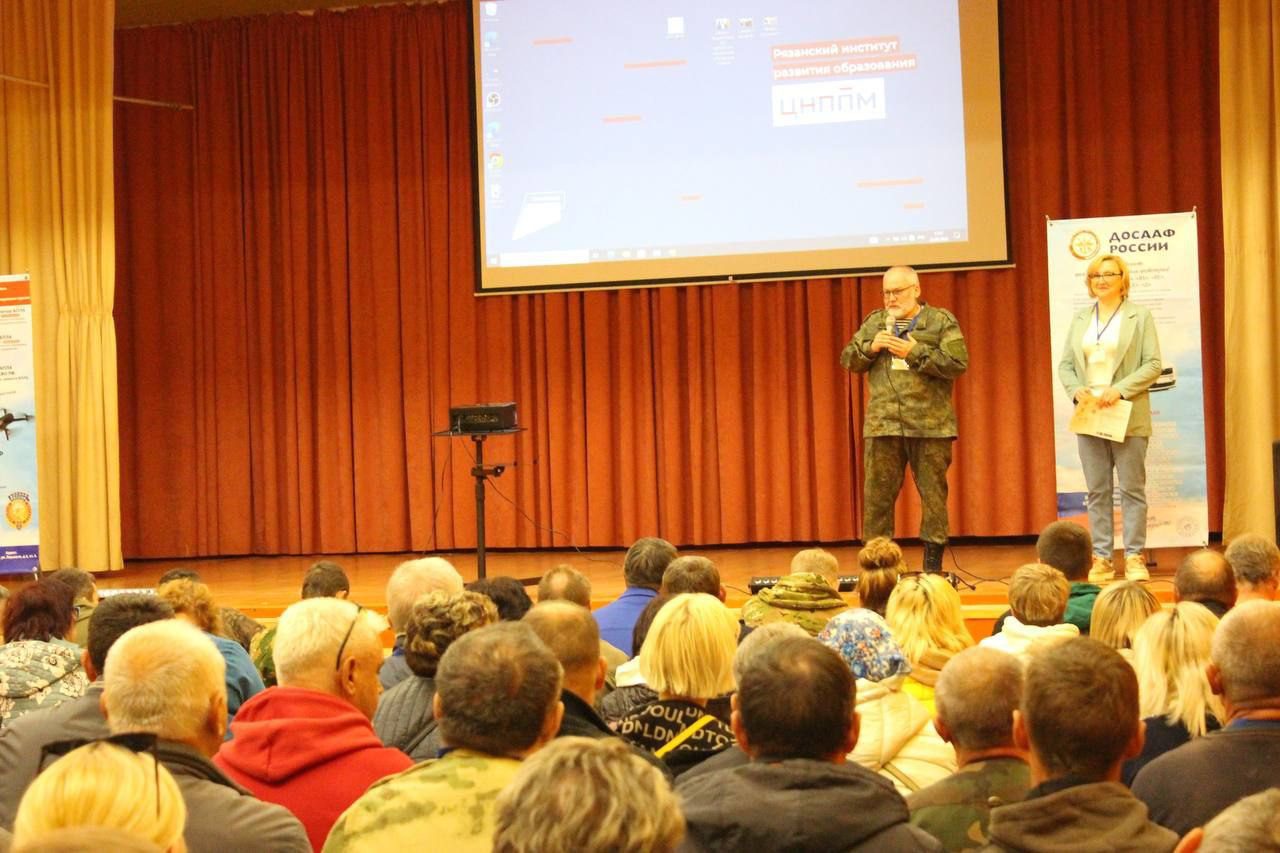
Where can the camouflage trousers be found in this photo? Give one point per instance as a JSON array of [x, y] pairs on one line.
[[885, 459]]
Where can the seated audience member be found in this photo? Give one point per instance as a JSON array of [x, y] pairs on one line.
[[168, 680], [498, 701], [410, 581], [39, 667], [807, 597], [507, 594], [687, 659], [978, 692], [405, 718], [1037, 601], [926, 620], [1187, 786], [897, 738], [642, 570], [1068, 547], [234, 624], [1119, 612], [1079, 721], [1205, 577], [794, 715], [1170, 656], [308, 744], [192, 603], [1256, 563], [589, 796], [102, 785], [22, 740], [565, 583], [1252, 825], [692, 574], [880, 564], [325, 579], [84, 598], [630, 690]]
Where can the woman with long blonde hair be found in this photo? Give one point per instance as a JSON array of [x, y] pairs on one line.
[[1170, 654], [1118, 613], [924, 613]]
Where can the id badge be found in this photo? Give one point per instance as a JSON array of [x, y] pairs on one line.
[[899, 364]]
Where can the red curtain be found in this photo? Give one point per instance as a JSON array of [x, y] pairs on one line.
[[296, 315]]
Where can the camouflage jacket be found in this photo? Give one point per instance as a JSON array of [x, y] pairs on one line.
[[35, 675], [957, 810], [915, 402], [803, 599], [443, 804]]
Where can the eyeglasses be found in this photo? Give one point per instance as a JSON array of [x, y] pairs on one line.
[[1094, 276], [135, 742], [337, 663], [894, 293]]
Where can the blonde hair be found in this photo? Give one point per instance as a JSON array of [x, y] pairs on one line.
[[162, 678], [1096, 264], [1119, 611], [104, 785], [881, 562], [1038, 594], [690, 647], [1170, 653], [816, 561], [924, 615], [193, 599]]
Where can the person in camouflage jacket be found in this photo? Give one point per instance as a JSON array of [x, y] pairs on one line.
[[912, 354]]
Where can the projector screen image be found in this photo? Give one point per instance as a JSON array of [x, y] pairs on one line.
[[631, 143]]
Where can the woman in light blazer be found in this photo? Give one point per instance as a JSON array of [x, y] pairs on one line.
[[1112, 353]]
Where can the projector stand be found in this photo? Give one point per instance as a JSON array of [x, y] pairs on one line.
[[482, 473]]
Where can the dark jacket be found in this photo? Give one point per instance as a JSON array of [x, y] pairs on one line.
[[1100, 816], [405, 719], [1161, 738], [798, 805], [395, 668], [581, 720]]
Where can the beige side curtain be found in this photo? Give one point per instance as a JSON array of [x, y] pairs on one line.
[[57, 222]]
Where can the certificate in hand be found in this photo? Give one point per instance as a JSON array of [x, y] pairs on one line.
[[1109, 423]]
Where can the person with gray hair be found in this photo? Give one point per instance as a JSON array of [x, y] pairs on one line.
[[1206, 578], [308, 744], [642, 569], [1250, 826], [1256, 563], [1186, 787], [977, 693], [411, 580], [167, 679], [565, 583], [498, 701]]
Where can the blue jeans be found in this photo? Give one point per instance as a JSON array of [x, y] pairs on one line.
[[1098, 457]]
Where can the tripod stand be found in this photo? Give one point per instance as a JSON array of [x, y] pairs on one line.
[[482, 473]]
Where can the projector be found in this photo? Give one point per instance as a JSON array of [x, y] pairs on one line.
[[482, 417]]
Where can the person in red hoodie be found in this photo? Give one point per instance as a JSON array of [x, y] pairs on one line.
[[308, 744]]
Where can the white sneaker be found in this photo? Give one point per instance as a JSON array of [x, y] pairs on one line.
[[1101, 571], [1135, 568]]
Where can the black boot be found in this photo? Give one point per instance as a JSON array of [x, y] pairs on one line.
[[933, 556]]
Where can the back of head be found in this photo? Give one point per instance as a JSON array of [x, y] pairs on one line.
[[118, 614], [691, 574], [796, 701], [864, 642], [80, 582], [565, 583], [569, 631], [1170, 654], [310, 634], [1080, 706], [817, 561], [179, 573], [588, 796], [193, 600], [104, 785], [507, 593], [754, 643], [437, 620], [496, 687], [646, 560], [1205, 575], [1255, 560], [977, 693], [325, 579], [162, 678], [40, 611], [88, 839], [1251, 825], [415, 578], [880, 563], [1246, 651], [1119, 611], [1067, 547], [690, 647], [924, 612], [1038, 594]]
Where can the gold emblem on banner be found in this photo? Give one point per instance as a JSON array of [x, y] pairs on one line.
[[18, 510], [1084, 244]]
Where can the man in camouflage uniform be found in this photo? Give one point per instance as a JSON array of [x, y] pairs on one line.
[[976, 695], [912, 353]]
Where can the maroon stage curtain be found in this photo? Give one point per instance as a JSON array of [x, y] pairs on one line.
[[296, 315]]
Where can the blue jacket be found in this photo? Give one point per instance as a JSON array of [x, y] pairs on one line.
[[618, 618]]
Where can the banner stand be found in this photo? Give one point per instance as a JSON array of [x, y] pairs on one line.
[[20, 528]]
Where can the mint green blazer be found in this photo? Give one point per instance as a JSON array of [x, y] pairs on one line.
[[1137, 363]]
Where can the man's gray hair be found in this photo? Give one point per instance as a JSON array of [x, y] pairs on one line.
[[1251, 825], [754, 644], [976, 695], [1255, 559], [496, 686], [162, 678], [311, 631], [1246, 650], [415, 578], [1205, 575], [565, 583]]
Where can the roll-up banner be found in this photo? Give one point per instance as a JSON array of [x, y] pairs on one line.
[[19, 532], [1164, 264]]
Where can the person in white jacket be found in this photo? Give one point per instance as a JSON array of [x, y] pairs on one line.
[[1037, 603], [896, 734]]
